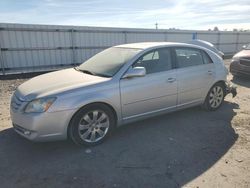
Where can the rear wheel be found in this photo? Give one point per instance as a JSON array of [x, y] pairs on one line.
[[92, 125], [215, 97]]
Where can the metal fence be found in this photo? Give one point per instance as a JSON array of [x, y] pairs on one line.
[[32, 48]]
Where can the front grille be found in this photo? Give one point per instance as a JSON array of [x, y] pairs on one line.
[[16, 103], [245, 61]]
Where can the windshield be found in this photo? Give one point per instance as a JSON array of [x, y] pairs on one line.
[[108, 62]]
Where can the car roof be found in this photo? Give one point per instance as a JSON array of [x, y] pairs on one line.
[[147, 45]]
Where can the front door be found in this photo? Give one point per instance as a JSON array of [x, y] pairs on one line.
[[156, 91]]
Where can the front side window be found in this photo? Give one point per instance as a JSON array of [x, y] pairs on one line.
[[155, 61], [187, 57], [151, 56]]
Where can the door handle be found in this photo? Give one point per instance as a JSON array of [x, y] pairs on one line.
[[210, 72], [170, 80]]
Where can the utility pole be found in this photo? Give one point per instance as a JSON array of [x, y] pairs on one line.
[[156, 25]]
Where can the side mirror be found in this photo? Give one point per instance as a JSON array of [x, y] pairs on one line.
[[244, 47], [135, 72]]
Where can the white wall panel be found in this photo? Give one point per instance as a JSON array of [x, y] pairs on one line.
[[27, 48], [213, 38], [227, 48], [179, 37], [228, 38], [244, 38], [98, 39], [145, 37]]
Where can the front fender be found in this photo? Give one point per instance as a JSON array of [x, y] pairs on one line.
[[75, 101]]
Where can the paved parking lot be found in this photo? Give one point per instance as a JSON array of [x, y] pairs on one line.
[[189, 148]]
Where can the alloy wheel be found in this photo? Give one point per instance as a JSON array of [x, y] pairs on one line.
[[216, 97], [93, 126]]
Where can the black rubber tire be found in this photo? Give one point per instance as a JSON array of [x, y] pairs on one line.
[[206, 104], [74, 123]]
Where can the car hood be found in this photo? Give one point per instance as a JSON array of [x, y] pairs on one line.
[[56, 82], [243, 53]]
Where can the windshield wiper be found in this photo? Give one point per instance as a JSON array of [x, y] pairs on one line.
[[84, 71], [87, 72], [92, 73], [103, 75]]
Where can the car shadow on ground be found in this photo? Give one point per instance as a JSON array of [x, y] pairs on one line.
[[165, 151], [242, 81]]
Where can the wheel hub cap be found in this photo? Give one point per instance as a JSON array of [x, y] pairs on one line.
[[93, 126], [216, 96]]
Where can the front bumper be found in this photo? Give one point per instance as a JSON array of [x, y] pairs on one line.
[[47, 126]]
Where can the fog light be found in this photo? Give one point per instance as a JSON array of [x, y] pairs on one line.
[[27, 132]]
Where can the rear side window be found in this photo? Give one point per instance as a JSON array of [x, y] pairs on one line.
[[187, 57], [206, 58]]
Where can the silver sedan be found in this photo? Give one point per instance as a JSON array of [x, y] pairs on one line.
[[119, 85]]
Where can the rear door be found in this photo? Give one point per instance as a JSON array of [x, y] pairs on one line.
[[195, 73]]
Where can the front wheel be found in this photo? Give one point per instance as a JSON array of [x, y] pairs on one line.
[[91, 125], [215, 97]]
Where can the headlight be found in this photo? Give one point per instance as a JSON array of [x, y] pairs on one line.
[[39, 105]]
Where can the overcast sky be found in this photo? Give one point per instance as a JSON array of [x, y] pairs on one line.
[[181, 14]]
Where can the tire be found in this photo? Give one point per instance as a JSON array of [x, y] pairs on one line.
[[91, 125], [215, 97]]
